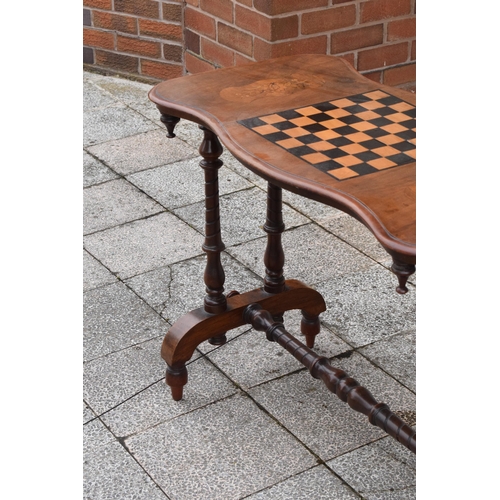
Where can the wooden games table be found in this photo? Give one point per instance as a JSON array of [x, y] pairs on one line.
[[314, 126]]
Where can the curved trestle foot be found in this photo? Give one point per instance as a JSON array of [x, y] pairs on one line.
[[197, 326]]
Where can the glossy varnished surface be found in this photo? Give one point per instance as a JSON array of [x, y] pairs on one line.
[[220, 100]]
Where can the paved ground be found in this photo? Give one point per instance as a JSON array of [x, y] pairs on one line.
[[253, 423]]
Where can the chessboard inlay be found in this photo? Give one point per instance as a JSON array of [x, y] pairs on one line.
[[348, 137]]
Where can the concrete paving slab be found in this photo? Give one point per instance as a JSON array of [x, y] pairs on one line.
[[141, 151], [133, 93], [176, 289], [96, 435], [316, 211], [115, 318], [182, 183], [111, 473], [112, 122], [238, 222], [113, 203], [396, 355], [232, 163], [251, 359], [311, 255], [317, 483], [356, 234], [143, 245], [111, 379], [94, 273], [364, 307], [328, 426], [94, 97], [398, 452], [88, 414], [155, 405], [95, 172], [189, 132], [375, 474], [228, 450]]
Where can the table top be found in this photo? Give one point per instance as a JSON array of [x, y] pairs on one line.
[[313, 125]]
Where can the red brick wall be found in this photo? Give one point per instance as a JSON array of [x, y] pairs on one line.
[[159, 39], [135, 37]]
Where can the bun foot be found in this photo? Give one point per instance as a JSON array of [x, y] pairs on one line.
[[403, 272], [176, 378]]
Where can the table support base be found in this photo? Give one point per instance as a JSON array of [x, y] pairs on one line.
[[198, 325], [335, 379]]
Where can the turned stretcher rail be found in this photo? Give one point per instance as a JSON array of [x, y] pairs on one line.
[[335, 379]]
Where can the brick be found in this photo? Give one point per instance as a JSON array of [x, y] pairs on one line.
[[144, 8], [98, 4], [115, 22], [349, 58], [402, 28], [192, 41], [248, 3], [273, 7], [216, 54], [138, 46], [219, 8], [358, 38], [87, 21], [240, 60], [195, 65], [162, 71], [400, 75], [235, 39], [375, 76], [375, 10], [101, 39], [311, 45], [172, 52], [386, 55], [158, 29], [116, 61], [413, 55], [199, 22], [88, 55], [270, 29], [172, 12], [328, 19], [194, 3]]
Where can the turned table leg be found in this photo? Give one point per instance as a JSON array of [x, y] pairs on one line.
[[274, 256], [215, 301], [219, 313], [274, 260]]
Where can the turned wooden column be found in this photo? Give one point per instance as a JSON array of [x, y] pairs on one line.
[[215, 301], [274, 256]]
